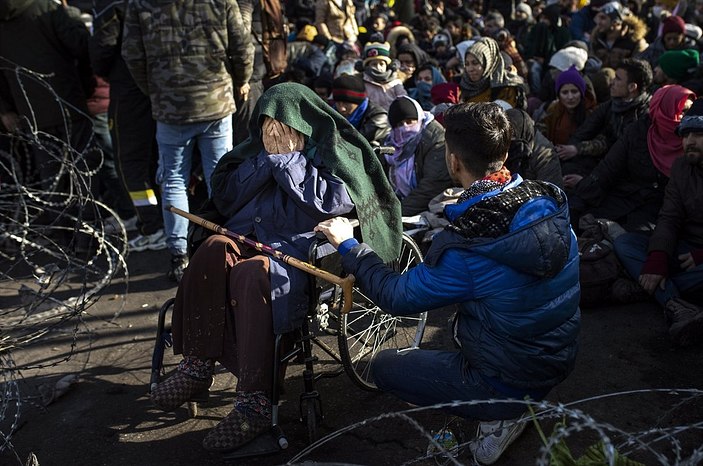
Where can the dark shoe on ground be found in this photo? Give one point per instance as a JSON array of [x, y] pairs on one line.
[[685, 322], [234, 431], [627, 291], [178, 267], [177, 389]]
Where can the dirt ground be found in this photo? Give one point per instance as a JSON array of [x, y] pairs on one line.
[[105, 418]]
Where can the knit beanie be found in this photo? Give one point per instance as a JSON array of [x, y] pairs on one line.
[[673, 24], [692, 121], [679, 64], [569, 56], [571, 76], [403, 108], [308, 33], [348, 89], [377, 51], [525, 8]]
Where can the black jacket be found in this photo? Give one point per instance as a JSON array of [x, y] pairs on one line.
[[430, 170], [374, 125], [42, 37]]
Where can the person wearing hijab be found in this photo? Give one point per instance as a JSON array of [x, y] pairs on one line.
[[416, 169], [569, 110], [426, 77], [486, 78], [627, 186], [302, 163]]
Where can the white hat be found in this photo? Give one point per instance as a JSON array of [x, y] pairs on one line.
[[563, 59]]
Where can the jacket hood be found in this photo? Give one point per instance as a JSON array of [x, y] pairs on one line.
[[535, 238], [10, 9]]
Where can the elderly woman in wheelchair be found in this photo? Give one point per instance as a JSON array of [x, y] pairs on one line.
[[302, 164]]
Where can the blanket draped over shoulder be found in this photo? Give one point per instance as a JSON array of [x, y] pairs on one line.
[[341, 149]]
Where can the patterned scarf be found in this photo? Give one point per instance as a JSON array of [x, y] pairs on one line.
[[487, 52], [488, 183]]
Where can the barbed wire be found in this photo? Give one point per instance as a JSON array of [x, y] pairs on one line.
[[56, 256]]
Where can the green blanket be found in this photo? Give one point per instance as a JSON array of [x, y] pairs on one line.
[[344, 152]]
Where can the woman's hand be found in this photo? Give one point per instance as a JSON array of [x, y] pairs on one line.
[[337, 230]]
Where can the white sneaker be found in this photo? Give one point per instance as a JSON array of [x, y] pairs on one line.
[[112, 226], [153, 242], [493, 438]]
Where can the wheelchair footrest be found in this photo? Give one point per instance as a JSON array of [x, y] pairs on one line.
[[270, 442]]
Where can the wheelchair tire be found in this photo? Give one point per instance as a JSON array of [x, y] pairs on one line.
[[367, 329]]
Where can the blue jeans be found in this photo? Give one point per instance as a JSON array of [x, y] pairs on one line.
[[176, 143], [631, 249], [427, 377]]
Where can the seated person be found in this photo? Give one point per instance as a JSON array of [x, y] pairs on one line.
[[350, 99], [486, 78], [668, 263], [627, 186], [303, 164], [509, 259], [381, 80], [629, 101], [569, 110], [417, 170], [531, 155]]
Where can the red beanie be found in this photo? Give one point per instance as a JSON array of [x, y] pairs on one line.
[[673, 24]]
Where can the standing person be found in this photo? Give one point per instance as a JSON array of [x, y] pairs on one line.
[[335, 19], [513, 274], [669, 263], [42, 37], [132, 128], [191, 89]]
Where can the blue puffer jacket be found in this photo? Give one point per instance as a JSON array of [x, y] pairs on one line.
[[518, 290]]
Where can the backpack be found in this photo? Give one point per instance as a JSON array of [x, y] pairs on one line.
[[273, 38], [598, 265]]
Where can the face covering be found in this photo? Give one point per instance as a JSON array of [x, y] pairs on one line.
[[400, 135]]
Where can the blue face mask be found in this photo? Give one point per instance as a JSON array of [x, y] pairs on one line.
[[423, 89]]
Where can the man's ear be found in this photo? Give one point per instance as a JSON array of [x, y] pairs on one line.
[[632, 88]]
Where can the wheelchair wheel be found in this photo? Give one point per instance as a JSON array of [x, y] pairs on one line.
[[367, 329]]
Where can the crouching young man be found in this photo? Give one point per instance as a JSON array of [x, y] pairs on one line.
[[509, 259]]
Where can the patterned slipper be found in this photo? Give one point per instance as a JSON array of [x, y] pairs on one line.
[[179, 388], [234, 431]]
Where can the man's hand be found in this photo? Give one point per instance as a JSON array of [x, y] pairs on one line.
[[337, 230], [566, 152], [687, 262], [244, 92], [570, 181], [650, 282]]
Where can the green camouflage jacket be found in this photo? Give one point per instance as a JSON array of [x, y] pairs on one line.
[[188, 56]]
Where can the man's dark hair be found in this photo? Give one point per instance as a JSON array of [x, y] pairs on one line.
[[638, 72], [479, 135]]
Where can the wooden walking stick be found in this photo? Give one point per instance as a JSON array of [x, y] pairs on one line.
[[345, 283]]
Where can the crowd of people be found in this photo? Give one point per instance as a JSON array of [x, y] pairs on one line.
[[542, 113]]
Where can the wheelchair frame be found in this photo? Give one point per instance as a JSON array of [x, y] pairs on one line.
[[361, 333]]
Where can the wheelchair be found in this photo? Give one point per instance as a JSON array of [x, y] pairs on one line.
[[360, 334]]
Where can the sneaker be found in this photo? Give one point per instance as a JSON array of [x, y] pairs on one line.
[[234, 431], [627, 291], [493, 438], [685, 322], [111, 225], [178, 267], [153, 242], [179, 388]]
